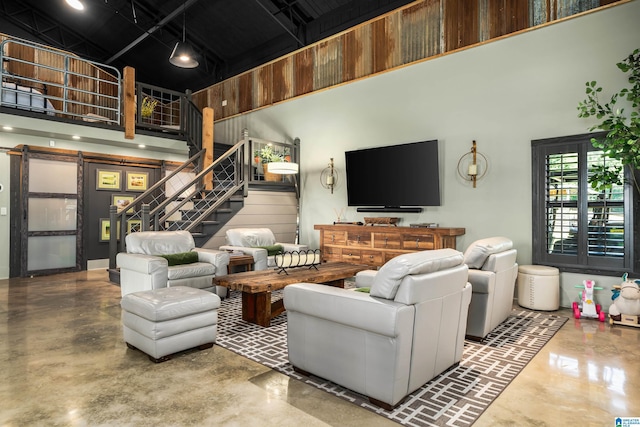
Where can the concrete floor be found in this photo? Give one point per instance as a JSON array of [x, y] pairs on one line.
[[64, 363]]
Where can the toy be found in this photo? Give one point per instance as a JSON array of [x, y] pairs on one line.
[[587, 307], [625, 309]]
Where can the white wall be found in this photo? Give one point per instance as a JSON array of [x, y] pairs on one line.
[[33, 132], [502, 94]]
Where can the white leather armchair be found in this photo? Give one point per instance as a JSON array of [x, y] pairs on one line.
[[492, 273], [387, 343], [250, 241], [142, 268]]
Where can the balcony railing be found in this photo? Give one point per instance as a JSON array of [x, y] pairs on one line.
[[39, 79]]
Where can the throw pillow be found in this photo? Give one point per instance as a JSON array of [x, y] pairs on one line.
[[181, 258], [272, 249], [365, 290], [478, 252]]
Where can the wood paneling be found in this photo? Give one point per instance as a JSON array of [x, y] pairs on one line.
[[421, 31], [500, 17], [245, 91], [357, 53], [412, 33], [230, 94], [385, 38], [283, 79], [275, 210], [328, 64], [304, 66], [460, 23]]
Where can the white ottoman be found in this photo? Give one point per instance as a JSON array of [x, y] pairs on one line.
[[164, 321], [539, 287]]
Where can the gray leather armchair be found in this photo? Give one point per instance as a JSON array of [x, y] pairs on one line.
[[143, 268], [492, 273], [387, 343], [252, 241]]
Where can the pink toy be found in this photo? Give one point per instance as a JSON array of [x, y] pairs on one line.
[[587, 307]]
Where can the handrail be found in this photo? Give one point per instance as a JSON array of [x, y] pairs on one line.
[[155, 193], [172, 112], [156, 206], [226, 187], [60, 83], [186, 204]]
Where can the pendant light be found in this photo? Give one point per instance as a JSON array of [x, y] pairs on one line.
[[76, 4], [183, 55]]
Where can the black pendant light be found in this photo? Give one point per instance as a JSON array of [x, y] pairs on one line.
[[183, 55]]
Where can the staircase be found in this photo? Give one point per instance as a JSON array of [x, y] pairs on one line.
[[199, 200]]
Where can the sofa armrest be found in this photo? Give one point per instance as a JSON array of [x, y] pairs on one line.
[[364, 279], [259, 255], [220, 259], [354, 309], [141, 263], [292, 247], [482, 282]]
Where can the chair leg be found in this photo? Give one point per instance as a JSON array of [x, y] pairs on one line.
[[385, 405], [302, 372]]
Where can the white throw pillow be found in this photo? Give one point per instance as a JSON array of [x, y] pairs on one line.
[[250, 237], [478, 252]]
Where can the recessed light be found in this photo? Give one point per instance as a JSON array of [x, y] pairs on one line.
[[75, 137], [141, 146], [76, 4], [7, 128]]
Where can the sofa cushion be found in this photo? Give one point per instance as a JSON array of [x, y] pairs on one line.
[[187, 271], [159, 242], [385, 283], [478, 252], [250, 237], [181, 258], [271, 249]]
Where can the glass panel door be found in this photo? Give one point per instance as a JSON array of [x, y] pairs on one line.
[[52, 216]]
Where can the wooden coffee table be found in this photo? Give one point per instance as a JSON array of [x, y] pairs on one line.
[[256, 286]]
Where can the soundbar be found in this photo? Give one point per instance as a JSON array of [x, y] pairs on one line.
[[391, 209]]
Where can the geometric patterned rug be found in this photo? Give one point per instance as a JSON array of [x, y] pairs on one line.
[[454, 398]]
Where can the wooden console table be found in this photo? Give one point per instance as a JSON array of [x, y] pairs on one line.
[[376, 245]]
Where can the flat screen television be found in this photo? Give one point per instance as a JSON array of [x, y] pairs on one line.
[[394, 178]]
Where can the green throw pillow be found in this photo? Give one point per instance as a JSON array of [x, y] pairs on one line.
[[181, 258], [271, 250], [365, 290]]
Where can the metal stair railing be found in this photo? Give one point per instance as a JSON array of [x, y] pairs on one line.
[[228, 177], [160, 205], [151, 197]]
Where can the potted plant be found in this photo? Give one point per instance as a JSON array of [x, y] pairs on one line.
[[622, 125], [147, 106], [267, 155]]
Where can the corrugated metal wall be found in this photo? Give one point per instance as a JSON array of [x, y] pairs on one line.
[[413, 33]]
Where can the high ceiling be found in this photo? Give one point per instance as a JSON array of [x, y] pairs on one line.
[[229, 36]]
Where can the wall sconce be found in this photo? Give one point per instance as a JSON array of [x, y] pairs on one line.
[[473, 165], [328, 176]]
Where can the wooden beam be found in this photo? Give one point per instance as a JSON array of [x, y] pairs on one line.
[[129, 77], [207, 144]]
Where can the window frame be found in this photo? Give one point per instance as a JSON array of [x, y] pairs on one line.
[[581, 262]]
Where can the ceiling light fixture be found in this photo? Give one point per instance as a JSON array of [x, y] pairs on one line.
[[183, 55], [76, 4], [283, 168]]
